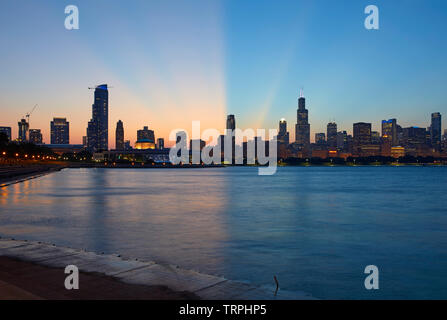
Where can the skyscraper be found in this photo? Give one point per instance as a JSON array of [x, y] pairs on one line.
[[98, 126], [119, 136], [375, 137], [7, 131], [23, 131], [435, 130], [231, 125], [231, 122], [60, 131], [283, 135], [413, 136], [35, 136], [320, 138], [362, 136], [302, 128], [342, 140], [332, 134], [389, 131], [160, 143]]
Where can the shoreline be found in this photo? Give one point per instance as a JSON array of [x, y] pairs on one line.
[[146, 279], [24, 172], [19, 173]]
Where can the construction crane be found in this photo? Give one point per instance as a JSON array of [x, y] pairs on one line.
[[103, 86], [29, 113]]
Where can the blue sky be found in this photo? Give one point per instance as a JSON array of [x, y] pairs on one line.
[[171, 62]]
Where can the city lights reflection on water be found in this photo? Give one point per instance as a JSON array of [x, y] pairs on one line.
[[315, 228]]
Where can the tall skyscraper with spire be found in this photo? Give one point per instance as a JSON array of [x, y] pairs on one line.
[[302, 128], [98, 126]]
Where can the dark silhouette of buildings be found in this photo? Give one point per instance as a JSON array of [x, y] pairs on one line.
[[35, 136], [302, 128], [119, 136], [389, 131], [98, 126], [435, 130], [283, 135], [320, 138], [60, 131], [7, 131], [160, 143], [414, 136], [362, 136], [23, 131], [332, 134], [231, 126], [231, 122], [342, 141]]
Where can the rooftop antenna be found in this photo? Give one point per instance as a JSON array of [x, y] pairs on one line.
[[301, 93]]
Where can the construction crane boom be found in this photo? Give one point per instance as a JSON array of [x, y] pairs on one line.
[[29, 113], [106, 86]]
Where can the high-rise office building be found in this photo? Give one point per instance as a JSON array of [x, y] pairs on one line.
[[119, 136], [7, 131], [98, 126], [231, 122], [60, 131], [332, 134], [342, 140], [435, 130], [283, 135], [362, 136], [375, 137], [320, 138], [35, 136], [231, 125], [160, 143], [302, 128], [413, 136], [23, 131], [390, 131]]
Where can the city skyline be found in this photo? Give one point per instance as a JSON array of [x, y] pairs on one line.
[[170, 65], [302, 128]]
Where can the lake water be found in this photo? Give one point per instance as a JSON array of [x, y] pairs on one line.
[[315, 228]]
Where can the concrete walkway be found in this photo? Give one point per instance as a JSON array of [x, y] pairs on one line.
[[130, 272]]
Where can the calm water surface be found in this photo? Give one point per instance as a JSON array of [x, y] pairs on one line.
[[315, 228]]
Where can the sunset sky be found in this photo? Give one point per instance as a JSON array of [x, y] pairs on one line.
[[172, 62]]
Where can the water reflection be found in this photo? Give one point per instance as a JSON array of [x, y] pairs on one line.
[[175, 217], [314, 228]]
